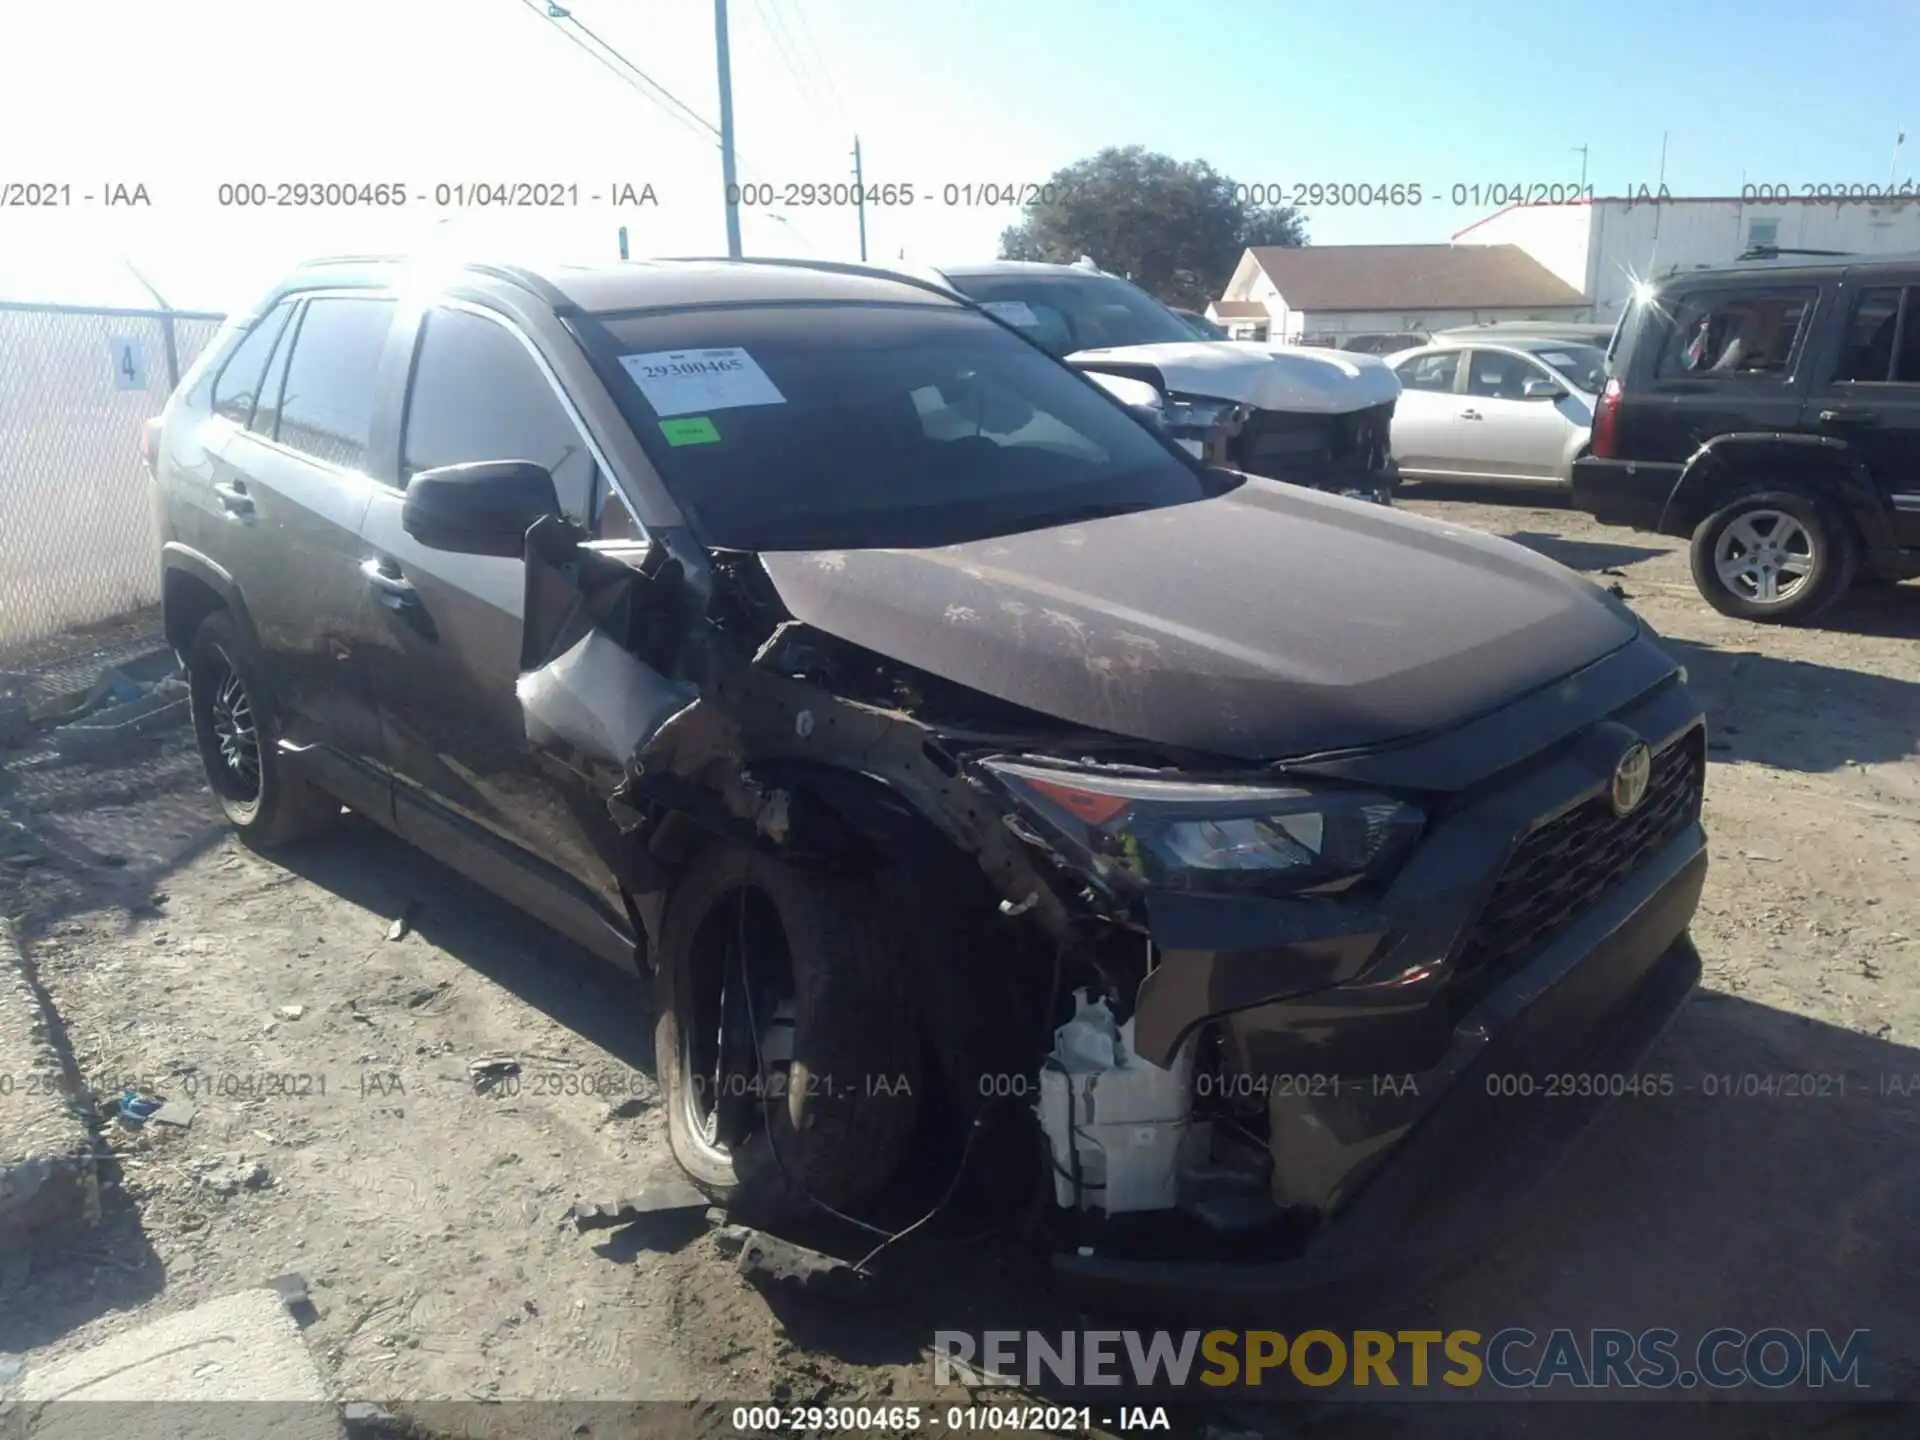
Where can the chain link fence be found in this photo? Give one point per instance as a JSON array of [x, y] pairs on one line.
[[77, 538]]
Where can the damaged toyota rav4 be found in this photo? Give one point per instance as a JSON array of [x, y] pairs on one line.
[[952, 749]]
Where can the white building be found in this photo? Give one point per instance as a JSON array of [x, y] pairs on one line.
[[1600, 247], [1323, 293]]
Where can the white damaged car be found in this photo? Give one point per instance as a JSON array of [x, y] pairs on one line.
[[1308, 416]]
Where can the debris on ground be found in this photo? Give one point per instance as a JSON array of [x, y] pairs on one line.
[[292, 1012], [659, 1196], [229, 1175], [491, 1072], [402, 925], [768, 1260], [177, 1113]]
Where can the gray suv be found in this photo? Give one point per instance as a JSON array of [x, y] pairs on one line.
[[941, 740]]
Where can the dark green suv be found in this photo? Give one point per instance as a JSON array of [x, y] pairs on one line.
[[1771, 411]]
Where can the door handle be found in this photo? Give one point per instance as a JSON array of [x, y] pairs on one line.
[[1849, 415], [234, 498], [392, 588], [1471, 415]]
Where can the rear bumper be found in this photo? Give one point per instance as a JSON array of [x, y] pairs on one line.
[[1591, 1004], [1623, 492]]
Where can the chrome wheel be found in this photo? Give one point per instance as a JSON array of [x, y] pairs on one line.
[[739, 1047], [1766, 557], [235, 735]]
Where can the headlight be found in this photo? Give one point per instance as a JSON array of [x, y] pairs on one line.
[[1185, 412], [1134, 834]]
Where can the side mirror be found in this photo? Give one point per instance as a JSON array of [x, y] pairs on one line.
[[1541, 390], [482, 508]]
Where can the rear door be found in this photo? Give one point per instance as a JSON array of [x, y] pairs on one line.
[[292, 488], [1716, 359], [449, 647], [1505, 435], [1867, 389], [1426, 416]]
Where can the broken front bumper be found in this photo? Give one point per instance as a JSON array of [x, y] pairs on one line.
[[1410, 1095]]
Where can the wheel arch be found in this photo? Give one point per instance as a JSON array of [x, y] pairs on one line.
[[1728, 464], [192, 587]]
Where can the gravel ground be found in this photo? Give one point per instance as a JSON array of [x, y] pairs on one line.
[[338, 1131]]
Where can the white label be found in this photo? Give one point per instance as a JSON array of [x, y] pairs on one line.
[[1557, 360], [129, 363], [1014, 312], [692, 382], [1193, 448]]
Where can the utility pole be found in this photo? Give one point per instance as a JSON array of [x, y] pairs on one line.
[[1893, 172], [1581, 151], [860, 199], [726, 128]]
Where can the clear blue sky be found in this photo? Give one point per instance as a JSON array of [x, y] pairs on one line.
[[188, 94]]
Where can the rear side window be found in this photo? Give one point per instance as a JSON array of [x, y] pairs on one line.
[[478, 395], [1882, 341], [1732, 334], [326, 408], [1430, 372], [237, 388]]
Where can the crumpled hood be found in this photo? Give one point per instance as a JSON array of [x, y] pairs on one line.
[[1295, 378], [1270, 622]]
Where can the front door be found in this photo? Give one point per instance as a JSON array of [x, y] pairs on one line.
[[1868, 392], [1505, 435], [449, 658]]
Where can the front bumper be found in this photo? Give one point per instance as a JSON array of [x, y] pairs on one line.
[[1412, 1100], [1623, 492]]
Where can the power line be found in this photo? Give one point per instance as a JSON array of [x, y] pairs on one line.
[[806, 33], [783, 46], [647, 86]]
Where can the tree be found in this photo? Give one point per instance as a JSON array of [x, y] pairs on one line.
[[1174, 227]]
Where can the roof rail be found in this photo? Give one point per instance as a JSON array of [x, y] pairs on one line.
[[1774, 252], [832, 267]]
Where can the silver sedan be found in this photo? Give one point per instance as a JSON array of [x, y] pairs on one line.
[[1516, 412]]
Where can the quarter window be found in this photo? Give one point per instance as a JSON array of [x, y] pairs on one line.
[[1880, 345], [326, 408], [479, 395], [1431, 372], [237, 390], [1727, 334]]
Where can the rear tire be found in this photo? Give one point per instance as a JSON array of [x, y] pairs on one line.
[[1777, 556], [836, 1127], [238, 735]]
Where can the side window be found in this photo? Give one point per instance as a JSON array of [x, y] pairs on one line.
[[326, 407], [1735, 333], [1866, 347], [478, 395], [1431, 372], [237, 387], [1498, 376]]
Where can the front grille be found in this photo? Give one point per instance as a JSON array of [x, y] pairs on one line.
[[1566, 866]]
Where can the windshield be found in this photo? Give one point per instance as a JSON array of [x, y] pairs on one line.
[[1201, 326], [854, 426], [1065, 313], [1585, 366]]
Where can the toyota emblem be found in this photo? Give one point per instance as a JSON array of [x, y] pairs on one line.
[[1630, 778]]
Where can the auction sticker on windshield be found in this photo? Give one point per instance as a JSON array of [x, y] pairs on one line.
[[680, 382], [1014, 312]]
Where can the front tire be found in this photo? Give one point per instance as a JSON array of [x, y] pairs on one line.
[[1775, 556], [821, 1110], [237, 732]]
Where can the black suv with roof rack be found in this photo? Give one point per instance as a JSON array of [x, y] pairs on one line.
[[1771, 411]]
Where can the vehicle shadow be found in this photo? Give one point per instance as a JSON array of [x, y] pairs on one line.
[[1799, 714], [1588, 555], [1888, 611], [379, 872], [1468, 492]]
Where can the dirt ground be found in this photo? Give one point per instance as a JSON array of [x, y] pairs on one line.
[[338, 1132]]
